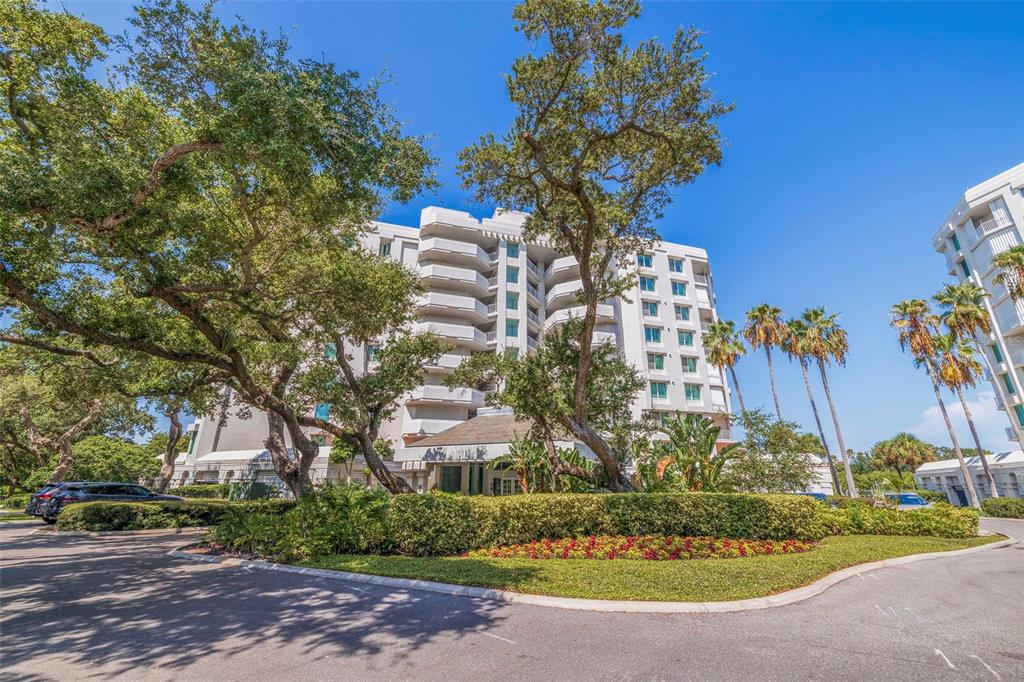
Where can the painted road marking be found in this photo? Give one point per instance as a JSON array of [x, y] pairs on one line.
[[939, 653], [987, 667], [495, 637]]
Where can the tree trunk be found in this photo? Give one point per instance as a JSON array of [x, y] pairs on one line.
[[821, 431], [972, 495], [771, 378], [174, 432], [293, 472], [64, 460], [977, 444], [851, 487], [614, 478], [63, 443], [393, 484], [739, 393]]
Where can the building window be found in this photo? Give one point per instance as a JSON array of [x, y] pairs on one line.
[[996, 353], [678, 289], [956, 242], [966, 270], [692, 392], [685, 338], [512, 300], [372, 353], [659, 390], [505, 486], [644, 260], [646, 284], [451, 478], [511, 327], [652, 334], [512, 274], [655, 361], [650, 308], [675, 264], [512, 251], [385, 247], [323, 411], [683, 313], [690, 365], [1019, 409], [1008, 382]]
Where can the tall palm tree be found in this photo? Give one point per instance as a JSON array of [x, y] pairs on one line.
[[765, 329], [795, 346], [1011, 271], [723, 346], [966, 316], [959, 369], [914, 321], [825, 341]]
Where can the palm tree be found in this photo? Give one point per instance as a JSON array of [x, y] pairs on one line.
[[723, 346], [914, 321], [691, 452], [966, 316], [825, 341], [1011, 271], [765, 329], [526, 457], [795, 347], [959, 369], [904, 450]]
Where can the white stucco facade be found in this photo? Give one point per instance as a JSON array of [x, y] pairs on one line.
[[488, 290], [988, 220]]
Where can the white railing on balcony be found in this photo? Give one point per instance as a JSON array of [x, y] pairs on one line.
[[444, 302], [453, 274], [492, 282], [464, 396], [991, 225], [492, 309], [457, 332], [492, 336], [532, 267], [700, 279], [605, 313], [1010, 435], [531, 342], [705, 327], [532, 291], [442, 247], [702, 296], [532, 317]]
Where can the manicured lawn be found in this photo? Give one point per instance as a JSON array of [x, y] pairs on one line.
[[15, 516], [695, 580]]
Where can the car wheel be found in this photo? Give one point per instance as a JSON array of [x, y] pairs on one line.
[[50, 519]]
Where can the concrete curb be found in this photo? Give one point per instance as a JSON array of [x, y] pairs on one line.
[[607, 605]]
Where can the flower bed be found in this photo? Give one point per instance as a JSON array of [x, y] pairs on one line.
[[642, 547]]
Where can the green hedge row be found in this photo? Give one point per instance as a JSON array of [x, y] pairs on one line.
[[15, 501], [96, 516], [1004, 507], [857, 517], [203, 491], [932, 495], [438, 523]]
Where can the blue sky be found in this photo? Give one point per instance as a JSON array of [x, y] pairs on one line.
[[857, 126]]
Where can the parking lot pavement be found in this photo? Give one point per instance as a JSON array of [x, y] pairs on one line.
[[116, 607]]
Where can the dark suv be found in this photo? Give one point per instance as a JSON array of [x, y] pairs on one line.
[[40, 498], [94, 492]]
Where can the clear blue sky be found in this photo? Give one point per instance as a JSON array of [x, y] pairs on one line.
[[857, 126]]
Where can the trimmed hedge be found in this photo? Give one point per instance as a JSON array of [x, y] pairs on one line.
[[200, 491], [15, 501], [1004, 507], [440, 523], [932, 495], [95, 516], [857, 517]]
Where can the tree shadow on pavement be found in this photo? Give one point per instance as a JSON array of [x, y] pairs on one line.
[[122, 604]]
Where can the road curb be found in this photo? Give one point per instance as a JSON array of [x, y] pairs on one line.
[[607, 605]]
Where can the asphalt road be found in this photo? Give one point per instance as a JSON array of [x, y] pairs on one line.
[[106, 607]]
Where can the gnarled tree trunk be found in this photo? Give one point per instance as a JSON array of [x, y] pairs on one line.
[[174, 432]]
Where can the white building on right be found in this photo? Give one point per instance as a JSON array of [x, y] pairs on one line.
[[988, 220]]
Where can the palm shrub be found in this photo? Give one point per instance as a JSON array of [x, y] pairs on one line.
[[689, 460], [343, 519]]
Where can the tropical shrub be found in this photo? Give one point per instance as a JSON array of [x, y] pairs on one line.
[[644, 547], [335, 520], [203, 491], [100, 516], [933, 495], [1004, 507]]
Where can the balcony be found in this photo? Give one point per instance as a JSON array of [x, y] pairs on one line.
[[563, 295], [532, 318], [605, 314], [456, 253], [1010, 435], [560, 270], [465, 307], [465, 397], [446, 362], [428, 427], [453, 277], [532, 291], [991, 225], [532, 269], [700, 280], [703, 298], [460, 333]]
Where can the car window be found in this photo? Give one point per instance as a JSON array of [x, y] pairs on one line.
[[138, 491], [109, 489]]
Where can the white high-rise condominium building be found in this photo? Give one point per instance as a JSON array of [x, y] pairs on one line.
[[988, 220], [488, 290]]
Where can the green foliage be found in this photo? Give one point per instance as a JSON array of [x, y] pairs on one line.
[[773, 456], [1004, 507], [97, 516], [15, 501], [933, 495], [335, 520], [858, 517], [438, 523], [203, 491], [689, 461], [102, 458], [885, 480]]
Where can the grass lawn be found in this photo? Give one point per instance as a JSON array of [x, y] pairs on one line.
[[15, 516], [693, 580]]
